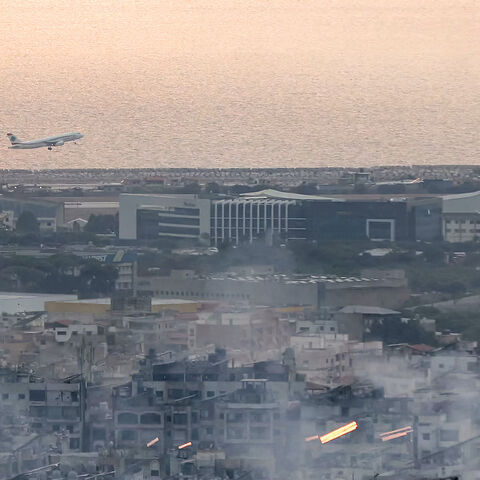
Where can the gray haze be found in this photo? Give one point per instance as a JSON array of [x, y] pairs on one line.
[[224, 83]]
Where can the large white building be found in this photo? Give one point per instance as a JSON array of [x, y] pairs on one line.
[[150, 216], [461, 217]]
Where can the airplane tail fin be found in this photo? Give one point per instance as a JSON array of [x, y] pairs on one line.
[[13, 139]]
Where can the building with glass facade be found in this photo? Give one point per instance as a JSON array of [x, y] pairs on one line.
[[278, 217]]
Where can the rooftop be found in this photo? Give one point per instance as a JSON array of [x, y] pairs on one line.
[[155, 301], [288, 279], [367, 310]]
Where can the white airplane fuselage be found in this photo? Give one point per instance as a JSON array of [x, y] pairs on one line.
[[49, 142]]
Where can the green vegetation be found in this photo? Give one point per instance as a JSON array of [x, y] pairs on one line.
[[398, 331], [35, 239], [102, 224], [57, 274], [27, 223], [466, 323]]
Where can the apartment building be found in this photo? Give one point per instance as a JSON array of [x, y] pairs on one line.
[[56, 406]]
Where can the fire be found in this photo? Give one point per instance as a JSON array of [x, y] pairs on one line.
[[400, 432], [185, 445], [339, 432], [152, 442], [314, 437]]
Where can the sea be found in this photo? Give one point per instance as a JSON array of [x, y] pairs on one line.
[[241, 83]]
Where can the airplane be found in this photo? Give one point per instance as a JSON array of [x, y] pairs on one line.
[[49, 142]]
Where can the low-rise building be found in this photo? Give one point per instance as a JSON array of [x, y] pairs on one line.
[[461, 217]]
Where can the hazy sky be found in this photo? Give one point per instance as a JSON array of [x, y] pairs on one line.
[[242, 83]]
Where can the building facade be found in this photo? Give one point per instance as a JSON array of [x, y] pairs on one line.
[[461, 217], [278, 217]]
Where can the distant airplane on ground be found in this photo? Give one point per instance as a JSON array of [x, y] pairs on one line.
[[49, 142]]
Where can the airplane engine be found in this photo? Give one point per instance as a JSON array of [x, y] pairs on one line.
[[59, 143]]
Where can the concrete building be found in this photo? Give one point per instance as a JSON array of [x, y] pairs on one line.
[[461, 217], [251, 432], [154, 216], [15, 303], [90, 310], [273, 216], [315, 291], [64, 333], [25, 453], [56, 406], [357, 320], [248, 335]]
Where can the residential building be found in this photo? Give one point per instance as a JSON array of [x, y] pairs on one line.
[[56, 406]]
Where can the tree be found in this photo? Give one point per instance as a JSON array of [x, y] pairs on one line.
[[433, 254], [27, 223], [102, 224], [97, 279], [212, 187]]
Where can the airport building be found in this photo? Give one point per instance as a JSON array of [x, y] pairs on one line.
[[277, 217], [461, 217]]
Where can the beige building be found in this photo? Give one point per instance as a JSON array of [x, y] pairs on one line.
[[461, 217], [93, 309]]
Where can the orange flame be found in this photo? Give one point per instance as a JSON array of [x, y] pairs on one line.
[[400, 432], [339, 432], [314, 437], [396, 435], [152, 442], [185, 445]]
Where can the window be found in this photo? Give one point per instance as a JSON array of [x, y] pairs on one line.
[[21, 396], [37, 411], [54, 413], [70, 412], [150, 419], [209, 431], [426, 436], [210, 394], [235, 417], [4, 396], [180, 418], [37, 395], [61, 332], [127, 419], [159, 394]]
